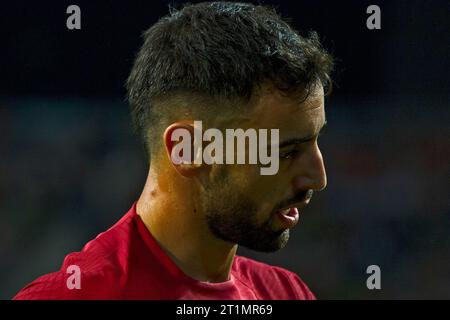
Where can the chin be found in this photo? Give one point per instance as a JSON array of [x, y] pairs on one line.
[[269, 244]]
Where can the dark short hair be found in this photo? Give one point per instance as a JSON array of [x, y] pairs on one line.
[[220, 49]]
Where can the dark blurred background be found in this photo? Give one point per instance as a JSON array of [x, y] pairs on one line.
[[70, 166]]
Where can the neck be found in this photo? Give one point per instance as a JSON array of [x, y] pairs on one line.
[[171, 212]]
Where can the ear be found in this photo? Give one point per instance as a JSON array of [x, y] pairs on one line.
[[179, 143]]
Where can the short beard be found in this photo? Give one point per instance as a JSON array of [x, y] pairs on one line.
[[232, 218]]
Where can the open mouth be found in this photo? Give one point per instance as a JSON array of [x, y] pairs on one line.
[[289, 217], [290, 212]]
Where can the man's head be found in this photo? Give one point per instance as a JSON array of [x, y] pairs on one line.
[[234, 65]]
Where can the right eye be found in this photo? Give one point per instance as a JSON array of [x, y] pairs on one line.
[[289, 155]]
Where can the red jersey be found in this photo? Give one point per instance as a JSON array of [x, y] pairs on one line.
[[126, 262]]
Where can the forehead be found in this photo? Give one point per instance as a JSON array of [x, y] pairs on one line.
[[274, 110]]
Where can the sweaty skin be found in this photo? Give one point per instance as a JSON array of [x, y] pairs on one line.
[[172, 202]]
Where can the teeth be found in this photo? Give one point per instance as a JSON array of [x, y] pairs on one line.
[[286, 211]]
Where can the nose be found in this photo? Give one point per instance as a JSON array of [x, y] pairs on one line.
[[310, 170]]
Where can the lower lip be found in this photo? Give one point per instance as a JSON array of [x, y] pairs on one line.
[[289, 219]]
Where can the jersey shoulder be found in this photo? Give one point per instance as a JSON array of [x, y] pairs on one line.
[[80, 277], [96, 272], [271, 282]]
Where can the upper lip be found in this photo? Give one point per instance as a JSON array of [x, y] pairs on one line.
[[300, 204]]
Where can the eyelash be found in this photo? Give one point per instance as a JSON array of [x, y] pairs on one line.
[[289, 155]]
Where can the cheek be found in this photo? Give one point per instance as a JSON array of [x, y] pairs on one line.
[[264, 191], [267, 192]]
